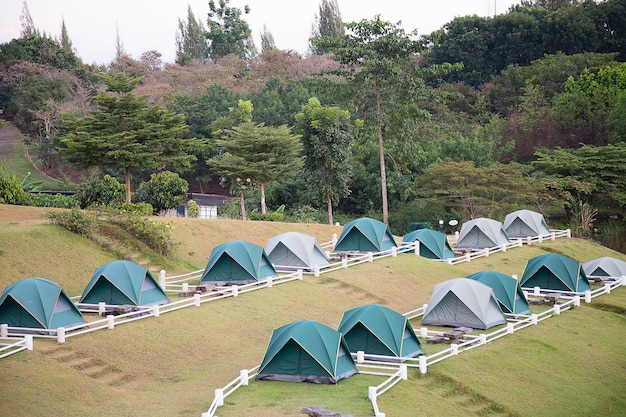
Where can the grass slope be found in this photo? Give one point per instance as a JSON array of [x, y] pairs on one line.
[[169, 366]]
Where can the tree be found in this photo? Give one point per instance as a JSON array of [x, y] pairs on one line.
[[191, 41], [103, 190], [66, 42], [164, 191], [378, 58], [227, 32], [328, 24], [28, 26], [259, 153], [327, 141], [267, 40], [125, 131]]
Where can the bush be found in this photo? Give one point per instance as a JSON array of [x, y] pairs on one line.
[[193, 209], [100, 192], [163, 191], [76, 221], [49, 200]]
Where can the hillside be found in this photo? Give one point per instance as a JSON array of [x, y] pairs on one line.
[[169, 366]]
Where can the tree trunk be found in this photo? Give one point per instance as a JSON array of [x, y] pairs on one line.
[[381, 152], [242, 206], [262, 189], [330, 209], [127, 171]]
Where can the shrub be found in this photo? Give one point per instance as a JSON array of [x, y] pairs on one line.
[[193, 209], [99, 192], [164, 191], [76, 221], [50, 200]]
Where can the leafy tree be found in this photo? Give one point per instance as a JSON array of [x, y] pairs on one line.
[[379, 66], [28, 26], [40, 51], [327, 140], [125, 131], [191, 42], [227, 32], [267, 40], [165, 190], [99, 191], [259, 153], [328, 24]]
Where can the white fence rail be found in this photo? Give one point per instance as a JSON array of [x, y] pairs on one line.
[[11, 345]]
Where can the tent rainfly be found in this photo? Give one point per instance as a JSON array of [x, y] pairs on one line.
[[365, 235], [378, 330], [463, 302], [295, 250], [554, 271], [433, 244], [38, 303], [123, 282], [525, 223], [481, 233], [237, 262], [307, 351], [605, 268], [507, 291]]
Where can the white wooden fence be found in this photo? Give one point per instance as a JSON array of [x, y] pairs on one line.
[[11, 345]]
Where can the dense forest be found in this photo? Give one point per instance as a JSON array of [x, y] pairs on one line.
[[486, 115]]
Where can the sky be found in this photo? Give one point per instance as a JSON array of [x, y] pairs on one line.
[[146, 25]]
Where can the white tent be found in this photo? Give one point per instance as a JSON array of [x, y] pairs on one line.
[[481, 233], [463, 302], [605, 268], [295, 250], [524, 223]]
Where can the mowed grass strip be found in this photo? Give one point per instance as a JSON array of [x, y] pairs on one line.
[[171, 365]]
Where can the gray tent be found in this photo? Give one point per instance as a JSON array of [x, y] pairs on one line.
[[525, 223], [605, 268], [295, 250], [463, 302], [481, 233]]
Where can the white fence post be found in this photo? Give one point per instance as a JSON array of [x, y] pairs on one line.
[[394, 252], [536, 291], [29, 341], [235, 290], [533, 318], [528, 241], [423, 364], [552, 235], [371, 393], [219, 397], [607, 288], [4, 330], [404, 372], [316, 271], [360, 356], [185, 287], [269, 282], [300, 274], [588, 296], [568, 233], [423, 332], [510, 328], [416, 248], [344, 262], [540, 239], [243, 376], [577, 301], [503, 247], [110, 322], [61, 335], [334, 239], [482, 338], [370, 257], [623, 280], [162, 278], [455, 348], [102, 308], [196, 300], [156, 311], [557, 309], [468, 257]]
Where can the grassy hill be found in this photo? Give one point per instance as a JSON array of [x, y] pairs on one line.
[[570, 365]]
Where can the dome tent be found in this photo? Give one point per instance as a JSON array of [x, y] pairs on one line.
[[555, 272], [507, 291], [237, 262], [525, 223], [297, 250], [378, 330], [481, 233], [463, 302], [365, 235], [433, 244], [307, 351], [123, 282], [38, 303], [605, 268]]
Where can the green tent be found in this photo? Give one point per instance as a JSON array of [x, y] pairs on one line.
[[123, 282], [365, 235], [507, 291], [38, 303], [554, 271], [237, 262], [433, 244], [307, 351], [378, 330]]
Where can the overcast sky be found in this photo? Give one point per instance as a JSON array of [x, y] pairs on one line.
[[152, 24]]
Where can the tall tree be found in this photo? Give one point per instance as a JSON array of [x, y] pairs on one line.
[[327, 138], [267, 40], [328, 24], [125, 131], [379, 63], [28, 26], [259, 153], [66, 42], [191, 41], [228, 33]]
